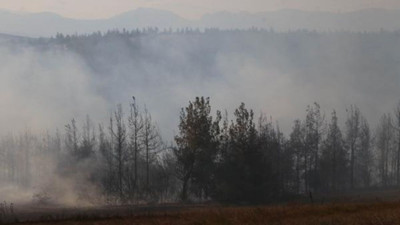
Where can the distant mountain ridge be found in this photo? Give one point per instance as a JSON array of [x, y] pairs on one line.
[[48, 24]]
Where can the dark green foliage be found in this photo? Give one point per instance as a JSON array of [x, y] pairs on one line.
[[196, 149], [255, 165], [240, 170]]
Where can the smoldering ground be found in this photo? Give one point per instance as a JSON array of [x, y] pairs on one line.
[[43, 85]]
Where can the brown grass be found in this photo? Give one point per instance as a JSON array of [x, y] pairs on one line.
[[295, 214]]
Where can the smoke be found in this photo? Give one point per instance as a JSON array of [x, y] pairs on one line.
[[41, 89], [278, 74], [48, 187]]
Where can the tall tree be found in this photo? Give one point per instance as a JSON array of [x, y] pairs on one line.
[[397, 128], [196, 148], [314, 128], [242, 170], [135, 127], [385, 146], [297, 145], [88, 140], [119, 136], [352, 137], [365, 156], [107, 155], [71, 140], [334, 157], [151, 142]]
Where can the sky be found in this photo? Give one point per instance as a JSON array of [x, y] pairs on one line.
[[191, 9]]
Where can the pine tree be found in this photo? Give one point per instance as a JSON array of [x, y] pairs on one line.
[[196, 149]]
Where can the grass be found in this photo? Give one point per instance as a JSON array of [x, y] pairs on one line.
[[380, 213]]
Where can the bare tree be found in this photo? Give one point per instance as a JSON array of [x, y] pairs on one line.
[[314, 128], [88, 140], [297, 145], [119, 141], [365, 162], [71, 139], [352, 137], [106, 151], [135, 128], [384, 147], [397, 128], [334, 157], [151, 142]]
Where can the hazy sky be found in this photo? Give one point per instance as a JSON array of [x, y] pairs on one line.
[[185, 8]]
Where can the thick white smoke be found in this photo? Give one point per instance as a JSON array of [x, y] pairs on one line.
[[41, 90]]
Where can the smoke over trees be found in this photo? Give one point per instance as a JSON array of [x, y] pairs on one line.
[[232, 155]]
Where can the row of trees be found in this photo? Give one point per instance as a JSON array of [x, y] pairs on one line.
[[154, 31], [239, 159], [132, 161], [125, 161], [244, 161]]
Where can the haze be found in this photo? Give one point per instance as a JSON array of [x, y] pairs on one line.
[[95, 9], [69, 123]]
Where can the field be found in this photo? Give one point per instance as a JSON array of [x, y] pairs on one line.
[[356, 210], [350, 213]]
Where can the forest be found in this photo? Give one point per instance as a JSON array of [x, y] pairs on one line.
[[223, 157]]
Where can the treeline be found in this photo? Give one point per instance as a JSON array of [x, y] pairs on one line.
[[249, 160], [122, 162], [229, 159], [211, 30], [155, 30]]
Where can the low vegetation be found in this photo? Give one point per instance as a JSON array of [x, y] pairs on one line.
[[332, 213]]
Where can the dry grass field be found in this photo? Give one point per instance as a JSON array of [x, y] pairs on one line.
[[363, 208], [380, 213]]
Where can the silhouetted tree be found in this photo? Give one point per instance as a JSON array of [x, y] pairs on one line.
[[242, 171], [196, 148], [334, 158], [352, 138], [297, 145], [152, 143], [397, 128], [87, 146], [314, 128], [384, 144], [71, 139], [119, 136], [365, 155], [135, 128]]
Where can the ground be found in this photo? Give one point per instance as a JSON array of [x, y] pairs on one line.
[[378, 208]]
